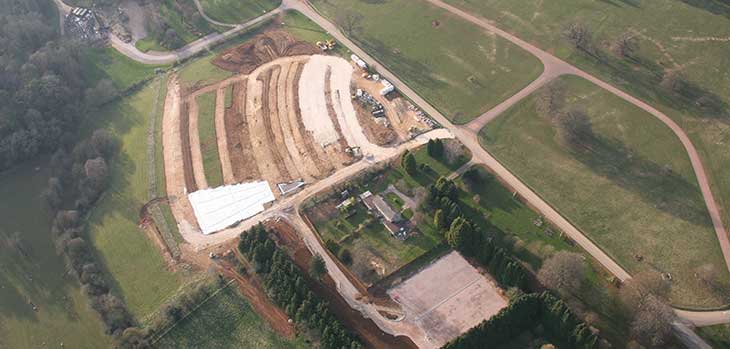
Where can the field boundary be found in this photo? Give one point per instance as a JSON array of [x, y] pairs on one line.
[[193, 311]]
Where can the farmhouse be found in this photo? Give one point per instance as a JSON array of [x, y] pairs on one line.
[[346, 205], [391, 219]]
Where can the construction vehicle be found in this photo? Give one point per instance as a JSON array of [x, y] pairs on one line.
[[326, 45]]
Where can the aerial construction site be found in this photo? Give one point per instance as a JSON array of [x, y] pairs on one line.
[[289, 117]]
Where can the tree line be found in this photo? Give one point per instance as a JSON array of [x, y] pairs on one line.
[[673, 84], [170, 313], [468, 238], [525, 313], [285, 284], [45, 83], [78, 179]]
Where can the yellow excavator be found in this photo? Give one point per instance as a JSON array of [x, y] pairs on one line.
[[326, 45]]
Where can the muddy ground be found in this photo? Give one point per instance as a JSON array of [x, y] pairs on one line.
[[262, 49]]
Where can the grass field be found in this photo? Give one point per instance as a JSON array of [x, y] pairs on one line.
[[234, 11], [181, 16], [664, 27], [225, 321], [208, 140], [148, 44], [717, 336], [229, 96], [304, 29], [187, 29], [634, 193], [202, 72], [63, 314], [107, 63], [497, 207], [458, 68], [137, 269]]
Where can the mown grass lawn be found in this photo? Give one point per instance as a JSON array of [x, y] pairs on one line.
[[226, 321], [662, 29], [457, 67], [717, 336], [236, 11], [633, 193], [136, 267], [208, 140]]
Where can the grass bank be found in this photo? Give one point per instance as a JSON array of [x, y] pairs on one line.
[[208, 140], [138, 271]]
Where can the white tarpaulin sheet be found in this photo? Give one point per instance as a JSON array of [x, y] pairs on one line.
[[221, 207]]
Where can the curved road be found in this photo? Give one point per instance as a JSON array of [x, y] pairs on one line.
[[207, 18], [554, 67], [190, 49]]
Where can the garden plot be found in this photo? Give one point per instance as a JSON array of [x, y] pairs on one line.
[[447, 298]]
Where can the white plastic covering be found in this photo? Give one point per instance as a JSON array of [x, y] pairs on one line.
[[222, 207]]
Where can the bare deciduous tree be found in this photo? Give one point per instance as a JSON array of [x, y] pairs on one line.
[[563, 272], [652, 324], [575, 127], [625, 45], [673, 80], [707, 273], [550, 100], [579, 35], [350, 22], [637, 290]]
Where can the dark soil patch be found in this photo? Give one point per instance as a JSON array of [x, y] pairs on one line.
[[261, 49], [186, 153]]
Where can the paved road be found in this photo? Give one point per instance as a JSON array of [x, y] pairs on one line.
[[190, 49]]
